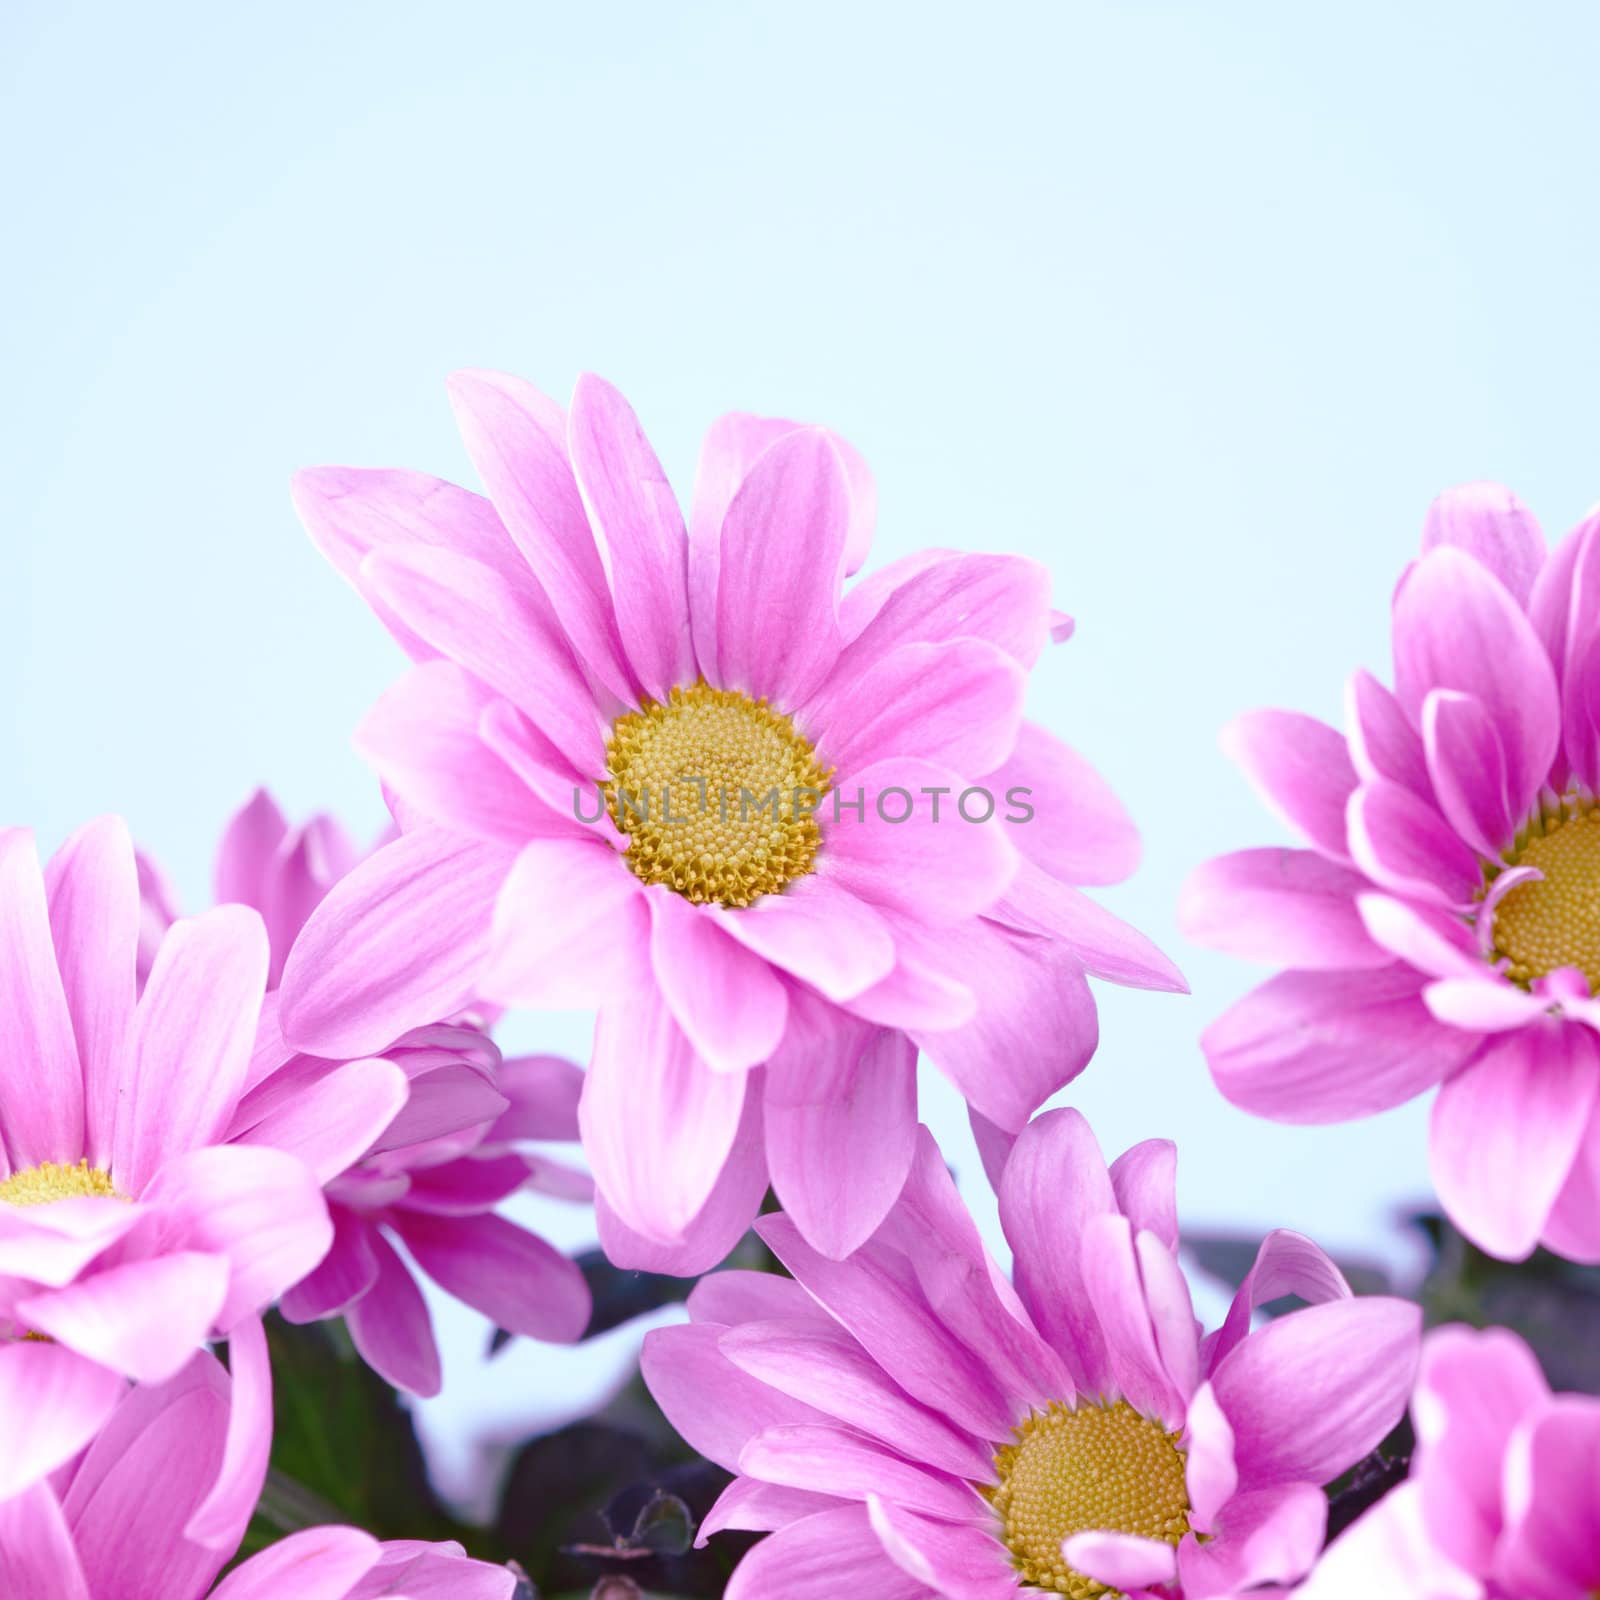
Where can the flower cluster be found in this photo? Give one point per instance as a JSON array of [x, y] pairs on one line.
[[784, 832]]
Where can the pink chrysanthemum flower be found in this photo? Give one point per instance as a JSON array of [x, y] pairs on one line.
[[1443, 926], [1503, 1500], [763, 976], [130, 1231], [913, 1427], [114, 1524], [441, 1160]]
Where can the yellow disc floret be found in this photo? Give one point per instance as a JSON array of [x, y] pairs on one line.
[[38, 1186], [1078, 1469], [1555, 920], [715, 792]]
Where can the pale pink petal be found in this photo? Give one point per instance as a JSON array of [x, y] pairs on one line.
[[1293, 908], [1209, 1471], [841, 1119], [737, 1295], [1262, 1536], [1110, 1265], [517, 439], [333, 1123], [92, 883], [1456, 627], [1581, 707], [512, 1276], [639, 531], [1312, 1047], [1384, 743], [52, 1403], [543, 1092], [391, 1327], [1122, 1559], [566, 908], [658, 1124], [349, 1269], [221, 1518], [1387, 1555], [1166, 1293], [52, 1244], [730, 1004], [192, 1036], [37, 1558], [1144, 1179], [1467, 763], [1484, 1003], [1404, 845], [318, 1564], [41, 1083], [1356, 1357], [779, 568], [1573, 1228], [249, 842], [1506, 1130], [957, 1561], [1301, 768], [751, 1506], [399, 942], [1563, 599], [309, 862], [820, 1558], [1286, 1263], [1550, 1546], [1494, 527], [1426, 938]]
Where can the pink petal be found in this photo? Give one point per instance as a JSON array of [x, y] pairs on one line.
[[640, 532], [1489, 523], [1506, 1130], [819, 1558], [729, 1003], [1384, 743], [735, 1295], [1356, 1357], [1301, 768], [347, 1272], [391, 1327], [92, 883], [192, 1036], [1483, 1003], [517, 439], [52, 1244], [1581, 708], [544, 1093], [1404, 845], [246, 850], [1111, 1275], [1144, 1179], [398, 942], [754, 1507], [658, 1124], [41, 1082], [1468, 766], [221, 1518], [52, 1403], [332, 1124], [1263, 1536], [1456, 627], [1310, 1047], [1553, 1503], [1209, 1471], [1387, 1555], [1286, 1263], [318, 1564], [1289, 907], [958, 1562], [310, 861], [37, 1558], [779, 568], [1121, 1559], [1573, 1228], [1426, 938], [512, 1276], [841, 1120]]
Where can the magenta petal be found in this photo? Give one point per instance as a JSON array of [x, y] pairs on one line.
[[318, 1564], [1293, 908], [1387, 1555], [1357, 1357], [1553, 1503], [1581, 708], [1384, 743], [822, 1557], [1209, 1471], [333, 1123], [1310, 1047], [957, 1561], [1456, 627], [1301, 768], [391, 1327], [349, 1269], [1144, 1179], [1427, 939], [512, 1276], [37, 1558], [841, 1120], [249, 842], [1573, 1228], [1404, 845], [41, 1083], [1506, 1130], [52, 1244], [92, 883], [1468, 766], [755, 1507], [398, 943], [737, 1295], [639, 530], [1489, 523], [1263, 1536], [1286, 1263], [1115, 1285], [1106, 946], [1122, 1559], [221, 1518], [52, 1403], [779, 568]]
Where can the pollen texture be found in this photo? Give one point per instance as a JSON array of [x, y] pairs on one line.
[[38, 1186], [1555, 920]]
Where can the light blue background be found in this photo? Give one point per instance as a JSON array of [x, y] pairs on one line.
[[1200, 305]]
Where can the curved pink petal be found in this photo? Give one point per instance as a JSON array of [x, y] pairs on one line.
[[1384, 742], [37, 1558], [1293, 908], [639, 531], [1484, 1003], [1387, 1555], [957, 1561], [246, 851], [780, 564], [398, 943], [318, 1564], [1494, 527], [841, 1121], [52, 1403], [41, 1082], [349, 1269], [1209, 1471], [1301, 768], [1456, 627], [391, 1327], [220, 1520], [517, 439], [1404, 845], [1426, 938], [310, 861], [1467, 764], [1122, 1559], [1573, 1227], [821, 1557], [1553, 1503], [333, 1123], [1358, 1357], [1286, 1263], [751, 1506], [1262, 1536], [1309, 1047], [92, 884], [52, 1244], [1144, 1179], [738, 1295], [1506, 1130], [1111, 1264]]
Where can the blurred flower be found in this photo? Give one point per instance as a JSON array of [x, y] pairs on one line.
[[444, 1156], [1444, 926], [118, 1522], [131, 1232], [913, 1425], [582, 657], [1502, 1499]]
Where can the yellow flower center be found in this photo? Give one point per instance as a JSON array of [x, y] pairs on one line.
[[38, 1186], [1079, 1469], [715, 792], [1555, 920]]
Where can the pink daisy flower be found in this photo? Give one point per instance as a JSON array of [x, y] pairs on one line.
[[116, 1522], [1442, 926], [913, 1426], [130, 1232], [1503, 1500], [440, 1161], [763, 976]]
